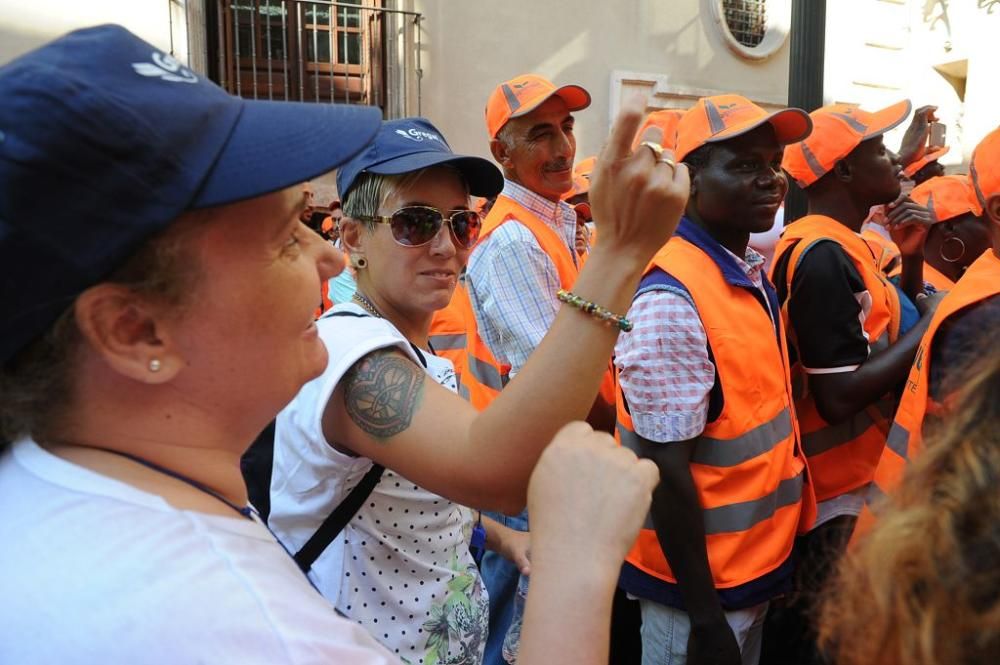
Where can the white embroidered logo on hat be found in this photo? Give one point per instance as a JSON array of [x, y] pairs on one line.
[[417, 135], [167, 68]]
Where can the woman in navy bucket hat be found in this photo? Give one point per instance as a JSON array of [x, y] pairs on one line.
[[409, 229], [154, 322]]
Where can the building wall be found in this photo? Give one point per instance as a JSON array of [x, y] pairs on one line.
[[26, 24], [881, 51], [671, 46]]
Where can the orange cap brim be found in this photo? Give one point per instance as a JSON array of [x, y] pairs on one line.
[[932, 156], [576, 99], [790, 126], [888, 118]]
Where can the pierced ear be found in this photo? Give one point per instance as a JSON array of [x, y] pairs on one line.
[[124, 331]]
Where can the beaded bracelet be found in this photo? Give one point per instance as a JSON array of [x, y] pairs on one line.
[[594, 310]]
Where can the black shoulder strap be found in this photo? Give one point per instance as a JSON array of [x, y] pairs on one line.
[[338, 519], [351, 504]]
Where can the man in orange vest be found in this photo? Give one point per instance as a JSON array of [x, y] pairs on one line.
[[956, 336], [524, 256], [706, 394], [843, 318]]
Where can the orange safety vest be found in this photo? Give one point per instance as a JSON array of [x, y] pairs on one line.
[[506, 209], [981, 281], [453, 335], [324, 299], [747, 464], [842, 457], [887, 254]]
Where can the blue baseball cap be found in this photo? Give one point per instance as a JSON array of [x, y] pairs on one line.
[[411, 144], [105, 141]]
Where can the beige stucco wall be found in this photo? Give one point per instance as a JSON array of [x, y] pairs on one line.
[[469, 46], [26, 24], [880, 51]]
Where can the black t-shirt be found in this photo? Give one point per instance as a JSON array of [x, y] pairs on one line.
[[824, 307], [959, 342]]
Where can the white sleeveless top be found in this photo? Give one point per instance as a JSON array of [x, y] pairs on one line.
[[401, 568]]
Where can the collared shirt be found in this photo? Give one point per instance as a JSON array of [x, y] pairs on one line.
[[513, 282], [665, 370]]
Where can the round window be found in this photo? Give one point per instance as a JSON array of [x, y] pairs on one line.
[[753, 29]]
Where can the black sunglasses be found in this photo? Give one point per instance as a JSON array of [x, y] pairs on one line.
[[415, 226]]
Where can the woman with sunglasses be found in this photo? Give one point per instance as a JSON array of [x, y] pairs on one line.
[[402, 566]]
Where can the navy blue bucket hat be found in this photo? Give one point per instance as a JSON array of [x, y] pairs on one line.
[[105, 140], [411, 144]]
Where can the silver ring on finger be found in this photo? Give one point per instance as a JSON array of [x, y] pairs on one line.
[[669, 162]]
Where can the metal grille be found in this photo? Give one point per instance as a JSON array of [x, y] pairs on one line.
[[746, 20], [348, 52]]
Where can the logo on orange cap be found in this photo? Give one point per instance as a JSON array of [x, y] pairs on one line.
[[947, 197], [837, 130], [984, 170], [523, 94], [723, 117]]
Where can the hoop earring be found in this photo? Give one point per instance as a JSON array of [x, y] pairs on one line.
[[961, 252], [360, 262]]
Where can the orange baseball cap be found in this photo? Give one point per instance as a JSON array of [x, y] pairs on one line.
[[947, 196], [585, 166], [666, 120], [523, 94], [984, 171], [327, 224], [931, 156], [714, 119], [837, 130]]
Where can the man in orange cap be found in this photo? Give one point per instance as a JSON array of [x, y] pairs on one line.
[[844, 321], [526, 253], [706, 394], [959, 235]]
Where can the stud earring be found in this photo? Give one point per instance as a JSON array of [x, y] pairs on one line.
[[155, 365]]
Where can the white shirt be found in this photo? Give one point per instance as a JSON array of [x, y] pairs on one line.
[[98, 571], [402, 567]]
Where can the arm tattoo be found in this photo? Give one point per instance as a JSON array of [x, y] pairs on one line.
[[382, 392]]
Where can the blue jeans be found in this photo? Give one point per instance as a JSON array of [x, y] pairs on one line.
[[665, 632], [501, 578]]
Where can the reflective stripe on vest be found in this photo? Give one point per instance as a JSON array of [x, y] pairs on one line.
[[980, 281], [746, 465], [842, 457], [447, 342], [729, 452], [454, 335]]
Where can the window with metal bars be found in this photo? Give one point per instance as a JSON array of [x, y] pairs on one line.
[[317, 51], [746, 20]]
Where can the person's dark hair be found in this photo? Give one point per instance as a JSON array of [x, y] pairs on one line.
[[36, 384], [699, 157]]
